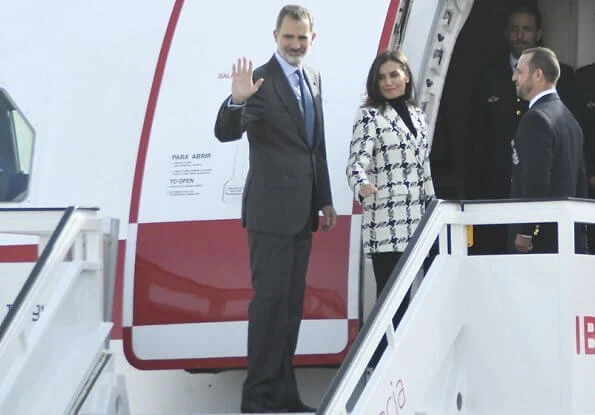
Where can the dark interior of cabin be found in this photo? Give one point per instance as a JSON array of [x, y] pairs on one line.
[[480, 41]]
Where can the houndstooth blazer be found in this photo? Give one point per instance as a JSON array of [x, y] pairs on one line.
[[385, 153]]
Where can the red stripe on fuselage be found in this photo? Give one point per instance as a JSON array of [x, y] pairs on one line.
[[389, 24], [216, 364], [199, 271], [18, 253], [150, 113]]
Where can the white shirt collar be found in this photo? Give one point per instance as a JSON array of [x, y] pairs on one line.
[[541, 94]]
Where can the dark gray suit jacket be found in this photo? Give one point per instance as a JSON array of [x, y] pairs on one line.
[[585, 110], [547, 155], [288, 182]]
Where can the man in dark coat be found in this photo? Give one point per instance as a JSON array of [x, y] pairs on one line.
[[280, 107], [547, 151], [496, 111]]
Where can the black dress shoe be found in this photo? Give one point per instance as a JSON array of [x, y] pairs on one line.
[[301, 407]]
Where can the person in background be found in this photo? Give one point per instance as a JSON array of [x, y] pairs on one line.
[[585, 112], [547, 152], [495, 113], [279, 105], [388, 166]]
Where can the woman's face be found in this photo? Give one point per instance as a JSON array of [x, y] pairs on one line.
[[392, 80]]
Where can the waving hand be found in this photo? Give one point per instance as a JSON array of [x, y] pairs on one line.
[[242, 86]]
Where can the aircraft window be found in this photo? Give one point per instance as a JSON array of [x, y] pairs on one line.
[[17, 139]]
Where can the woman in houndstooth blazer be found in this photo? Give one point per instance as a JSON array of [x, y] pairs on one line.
[[389, 167]]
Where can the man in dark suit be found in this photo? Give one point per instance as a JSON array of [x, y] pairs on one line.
[[547, 153], [280, 106], [496, 111], [585, 112]]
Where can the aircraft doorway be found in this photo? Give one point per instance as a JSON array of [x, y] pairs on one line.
[[480, 42]]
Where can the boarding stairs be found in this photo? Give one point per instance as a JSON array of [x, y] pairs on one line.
[[483, 334], [54, 336], [508, 334]]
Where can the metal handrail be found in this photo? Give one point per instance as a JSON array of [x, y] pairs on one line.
[[34, 275], [436, 223]]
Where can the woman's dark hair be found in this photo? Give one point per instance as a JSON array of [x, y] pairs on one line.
[[374, 97]]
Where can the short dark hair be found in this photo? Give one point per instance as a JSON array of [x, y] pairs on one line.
[[526, 9], [295, 12], [374, 97], [546, 60]]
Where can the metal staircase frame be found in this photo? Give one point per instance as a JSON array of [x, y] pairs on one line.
[[48, 364]]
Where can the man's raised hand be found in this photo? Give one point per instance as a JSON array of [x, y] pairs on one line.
[[242, 86]]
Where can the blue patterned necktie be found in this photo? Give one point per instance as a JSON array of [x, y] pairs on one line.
[[307, 106]]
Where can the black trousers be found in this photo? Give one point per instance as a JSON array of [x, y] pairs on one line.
[[383, 264], [278, 264]]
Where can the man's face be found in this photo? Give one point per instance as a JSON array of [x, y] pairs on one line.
[[522, 33], [523, 79], [294, 39]]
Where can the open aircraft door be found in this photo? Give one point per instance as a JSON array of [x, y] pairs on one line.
[[186, 279]]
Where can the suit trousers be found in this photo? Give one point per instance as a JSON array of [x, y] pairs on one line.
[[278, 264]]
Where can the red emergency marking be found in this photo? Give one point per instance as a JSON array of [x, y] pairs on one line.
[[588, 335]]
